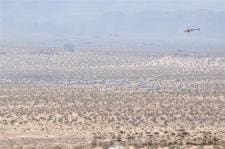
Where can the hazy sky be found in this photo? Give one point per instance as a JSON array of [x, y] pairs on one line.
[[42, 18]]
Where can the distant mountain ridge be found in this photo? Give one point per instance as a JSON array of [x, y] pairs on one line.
[[161, 22], [115, 23]]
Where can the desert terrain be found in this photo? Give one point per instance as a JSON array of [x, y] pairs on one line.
[[111, 101]]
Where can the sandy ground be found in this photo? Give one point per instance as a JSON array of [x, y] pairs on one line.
[[89, 100], [89, 116]]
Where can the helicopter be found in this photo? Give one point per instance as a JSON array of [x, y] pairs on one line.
[[191, 30]]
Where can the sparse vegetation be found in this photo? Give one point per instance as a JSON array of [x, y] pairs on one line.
[[132, 101]]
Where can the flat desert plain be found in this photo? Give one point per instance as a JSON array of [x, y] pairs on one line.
[[111, 101]]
